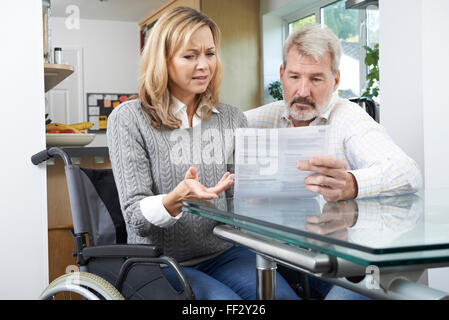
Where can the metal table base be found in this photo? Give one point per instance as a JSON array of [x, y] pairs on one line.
[[393, 284]]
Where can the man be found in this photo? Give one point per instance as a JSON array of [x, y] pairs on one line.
[[362, 160]]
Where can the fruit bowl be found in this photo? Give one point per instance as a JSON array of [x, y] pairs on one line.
[[69, 139]]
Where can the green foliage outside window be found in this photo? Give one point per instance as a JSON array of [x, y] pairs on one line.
[[344, 23], [372, 77], [302, 22]]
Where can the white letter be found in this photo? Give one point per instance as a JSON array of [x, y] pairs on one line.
[[229, 146], [212, 151], [268, 158], [73, 20], [248, 144], [372, 277], [180, 152], [196, 145]]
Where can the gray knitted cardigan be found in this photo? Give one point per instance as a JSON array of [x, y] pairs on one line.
[[147, 162]]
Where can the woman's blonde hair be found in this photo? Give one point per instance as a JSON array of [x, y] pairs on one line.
[[172, 32]]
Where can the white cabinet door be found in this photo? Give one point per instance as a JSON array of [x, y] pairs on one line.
[[66, 100]]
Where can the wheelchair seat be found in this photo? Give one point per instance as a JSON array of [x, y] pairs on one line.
[[99, 233]]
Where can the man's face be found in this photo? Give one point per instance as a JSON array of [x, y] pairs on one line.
[[308, 85]]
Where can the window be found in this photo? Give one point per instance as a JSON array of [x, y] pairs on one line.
[[293, 26], [345, 24], [354, 28], [372, 27]]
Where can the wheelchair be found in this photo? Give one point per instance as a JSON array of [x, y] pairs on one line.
[[110, 269]]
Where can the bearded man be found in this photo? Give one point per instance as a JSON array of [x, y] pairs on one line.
[[362, 160]]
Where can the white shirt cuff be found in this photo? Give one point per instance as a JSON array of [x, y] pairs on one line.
[[154, 211]]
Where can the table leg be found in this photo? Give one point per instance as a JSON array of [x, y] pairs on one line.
[[266, 278]]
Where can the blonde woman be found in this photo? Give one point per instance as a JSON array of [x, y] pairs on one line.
[[168, 146]]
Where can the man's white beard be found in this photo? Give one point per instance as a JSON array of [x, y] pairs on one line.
[[299, 115]]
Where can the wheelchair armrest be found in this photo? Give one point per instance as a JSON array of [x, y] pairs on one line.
[[138, 254], [170, 262], [122, 250]]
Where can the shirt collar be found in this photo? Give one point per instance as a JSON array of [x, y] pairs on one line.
[[179, 106], [323, 116], [285, 114]]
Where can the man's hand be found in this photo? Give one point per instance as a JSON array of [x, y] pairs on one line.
[[335, 220], [331, 179]]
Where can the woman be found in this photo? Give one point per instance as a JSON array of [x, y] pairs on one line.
[[168, 146]]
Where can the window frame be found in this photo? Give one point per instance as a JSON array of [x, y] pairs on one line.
[[315, 8]]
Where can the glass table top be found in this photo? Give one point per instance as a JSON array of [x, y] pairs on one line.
[[386, 231]]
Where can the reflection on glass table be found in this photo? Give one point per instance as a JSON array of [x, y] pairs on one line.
[[385, 231]]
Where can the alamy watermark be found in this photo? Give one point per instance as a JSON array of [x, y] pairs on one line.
[[256, 147], [372, 277], [72, 21], [74, 279]]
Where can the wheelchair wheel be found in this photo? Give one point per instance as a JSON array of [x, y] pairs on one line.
[[84, 284]]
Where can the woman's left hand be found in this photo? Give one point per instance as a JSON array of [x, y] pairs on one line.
[[225, 182], [191, 189]]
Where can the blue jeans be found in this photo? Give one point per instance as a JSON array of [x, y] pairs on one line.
[[229, 276], [318, 288], [327, 291], [340, 293]]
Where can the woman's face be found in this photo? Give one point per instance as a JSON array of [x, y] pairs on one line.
[[191, 69]]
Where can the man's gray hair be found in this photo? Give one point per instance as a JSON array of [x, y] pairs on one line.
[[314, 41]]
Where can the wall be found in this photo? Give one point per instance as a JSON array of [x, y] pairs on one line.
[[23, 200], [435, 51], [435, 108], [413, 70], [240, 50], [401, 71], [111, 54]]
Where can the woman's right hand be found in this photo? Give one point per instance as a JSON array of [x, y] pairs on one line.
[[191, 189]]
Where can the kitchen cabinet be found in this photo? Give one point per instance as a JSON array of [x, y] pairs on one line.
[[240, 49], [55, 73]]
